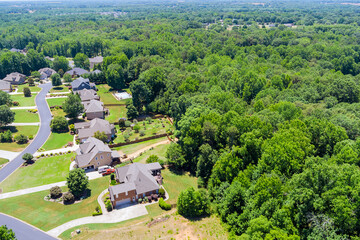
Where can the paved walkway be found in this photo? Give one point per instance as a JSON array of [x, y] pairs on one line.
[[117, 215], [8, 155], [25, 124], [18, 108], [101, 202]]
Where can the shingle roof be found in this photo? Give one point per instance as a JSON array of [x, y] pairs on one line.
[[77, 71], [87, 95], [77, 82], [4, 85], [14, 77], [98, 59], [94, 106], [87, 129], [120, 188], [87, 151], [139, 174], [47, 71]]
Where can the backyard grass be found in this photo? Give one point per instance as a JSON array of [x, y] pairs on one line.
[[57, 140], [55, 101], [127, 149], [60, 88], [115, 112], [32, 88], [159, 151], [44, 171], [148, 128], [24, 116], [33, 209], [105, 94], [24, 101], [13, 146]]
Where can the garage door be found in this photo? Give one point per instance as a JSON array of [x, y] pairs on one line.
[[121, 202]]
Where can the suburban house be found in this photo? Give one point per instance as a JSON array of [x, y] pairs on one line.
[[94, 109], [5, 86], [15, 78], [97, 71], [77, 72], [86, 130], [95, 61], [93, 154], [82, 83], [136, 181], [46, 73], [86, 95]]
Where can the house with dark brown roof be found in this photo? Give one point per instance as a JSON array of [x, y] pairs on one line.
[[93, 154], [15, 78], [86, 130], [136, 181]]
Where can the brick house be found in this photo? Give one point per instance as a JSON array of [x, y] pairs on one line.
[[136, 181]]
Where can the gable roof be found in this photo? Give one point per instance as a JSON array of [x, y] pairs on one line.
[[94, 106], [97, 71], [98, 59], [77, 82], [137, 173], [87, 95], [87, 129], [14, 77], [4, 85], [77, 71], [88, 150], [47, 71]]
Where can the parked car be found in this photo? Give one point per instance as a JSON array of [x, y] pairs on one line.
[[108, 171], [103, 169]]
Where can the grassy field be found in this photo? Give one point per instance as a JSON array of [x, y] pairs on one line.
[[24, 101], [105, 94], [24, 116], [58, 112], [32, 88], [43, 171], [55, 101], [33, 209], [115, 112], [137, 146], [57, 140], [148, 128], [159, 151], [60, 88], [27, 130]]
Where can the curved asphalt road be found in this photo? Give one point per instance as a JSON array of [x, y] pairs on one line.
[[23, 230], [41, 137]]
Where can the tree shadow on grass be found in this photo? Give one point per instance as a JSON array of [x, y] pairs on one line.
[[13, 129], [58, 88], [75, 120], [180, 172]]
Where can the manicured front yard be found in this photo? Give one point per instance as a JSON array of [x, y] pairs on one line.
[[116, 112], [24, 116], [24, 101], [44, 171], [33, 209], [60, 88], [57, 140], [32, 88], [55, 101], [13, 146]]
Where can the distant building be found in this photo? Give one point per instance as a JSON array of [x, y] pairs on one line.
[[5, 86], [95, 61], [77, 72], [136, 180], [82, 83], [93, 154], [86, 130], [46, 73], [15, 78]]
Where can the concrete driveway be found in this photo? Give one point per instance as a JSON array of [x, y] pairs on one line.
[[41, 137], [8, 155]]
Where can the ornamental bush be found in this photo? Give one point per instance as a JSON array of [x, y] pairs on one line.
[[55, 192], [21, 139], [27, 92], [68, 197], [163, 205]]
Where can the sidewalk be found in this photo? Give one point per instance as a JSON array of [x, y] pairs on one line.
[[25, 124], [16, 108]]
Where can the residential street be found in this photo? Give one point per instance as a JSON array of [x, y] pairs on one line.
[[41, 137], [23, 231]]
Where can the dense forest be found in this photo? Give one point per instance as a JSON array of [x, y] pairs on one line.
[[267, 116]]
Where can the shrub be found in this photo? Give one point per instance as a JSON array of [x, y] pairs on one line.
[[108, 206], [68, 197], [15, 103], [127, 123], [146, 199], [163, 205], [193, 203], [55, 192], [140, 200], [126, 137], [121, 123], [97, 211], [154, 197], [161, 192], [101, 136], [59, 124], [31, 137], [152, 158], [6, 136], [142, 133], [136, 128], [28, 158], [149, 120], [31, 81], [72, 127], [21, 139], [112, 176], [27, 92]]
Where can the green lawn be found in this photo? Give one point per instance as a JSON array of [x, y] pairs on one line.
[[148, 128], [24, 101], [3, 161], [24, 116], [32, 88], [159, 151], [105, 94], [115, 112], [60, 88], [127, 149], [33, 209], [43, 171], [27, 130], [57, 140], [55, 101]]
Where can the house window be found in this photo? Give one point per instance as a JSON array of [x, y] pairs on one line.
[[101, 157], [144, 195], [98, 163], [108, 154], [96, 158]]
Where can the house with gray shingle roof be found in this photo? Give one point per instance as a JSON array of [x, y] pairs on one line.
[[95, 61], [46, 73], [82, 83], [136, 181], [5, 86], [15, 78], [86, 130], [94, 109], [77, 72], [87, 95], [93, 154]]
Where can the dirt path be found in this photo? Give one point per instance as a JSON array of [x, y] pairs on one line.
[[138, 152]]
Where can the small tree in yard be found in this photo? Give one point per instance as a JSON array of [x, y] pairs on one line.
[[67, 78], [59, 124], [77, 182], [31, 81], [27, 92], [21, 139], [68, 197], [101, 136], [28, 158], [136, 128], [55, 79], [6, 234], [122, 123], [55, 192], [72, 106], [193, 203]]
